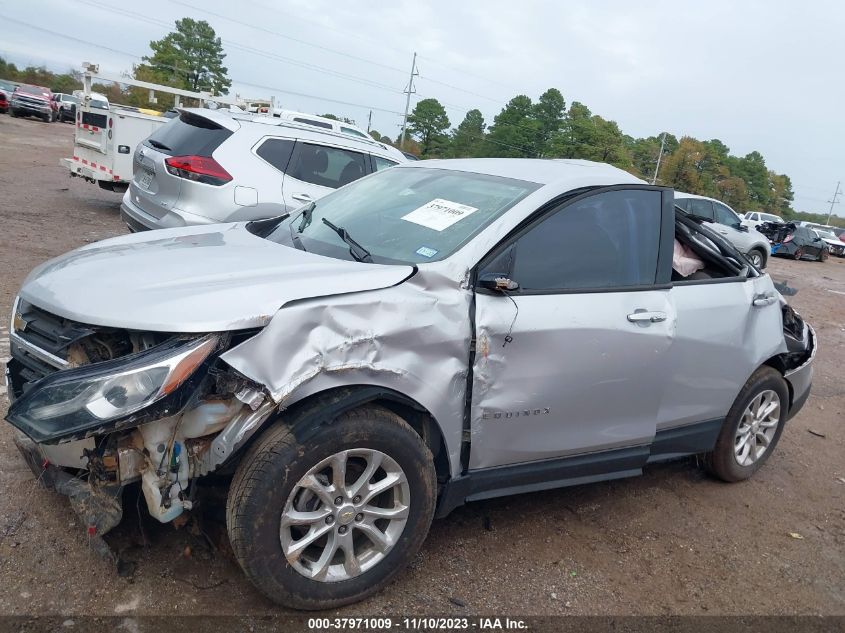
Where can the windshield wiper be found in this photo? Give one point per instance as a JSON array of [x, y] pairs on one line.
[[357, 251]]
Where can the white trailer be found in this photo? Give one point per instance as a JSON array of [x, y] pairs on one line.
[[104, 143], [105, 138]]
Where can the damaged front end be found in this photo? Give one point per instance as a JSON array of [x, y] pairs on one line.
[[796, 364], [97, 408]]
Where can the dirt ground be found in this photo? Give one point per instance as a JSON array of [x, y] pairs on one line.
[[671, 542]]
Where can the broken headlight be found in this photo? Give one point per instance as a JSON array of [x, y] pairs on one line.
[[73, 400]]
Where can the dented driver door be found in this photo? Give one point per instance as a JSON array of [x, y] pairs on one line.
[[574, 360]]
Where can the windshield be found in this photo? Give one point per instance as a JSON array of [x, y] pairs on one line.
[[406, 215], [827, 234]]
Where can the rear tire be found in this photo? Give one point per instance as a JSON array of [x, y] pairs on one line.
[[823, 255], [733, 458], [282, 479], [798, 254]]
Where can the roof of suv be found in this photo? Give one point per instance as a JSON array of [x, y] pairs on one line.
[[235, 120], [542, 171]]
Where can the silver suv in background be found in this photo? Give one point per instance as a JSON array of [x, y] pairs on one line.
[[725, 221], [205, 167]]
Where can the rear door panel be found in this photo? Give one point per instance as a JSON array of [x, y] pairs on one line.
[[720, 339]]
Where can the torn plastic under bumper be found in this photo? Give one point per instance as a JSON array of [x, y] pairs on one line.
[[800, 378], [100, 508]]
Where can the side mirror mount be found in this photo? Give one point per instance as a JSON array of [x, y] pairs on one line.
[[497, 282], [741, 227]]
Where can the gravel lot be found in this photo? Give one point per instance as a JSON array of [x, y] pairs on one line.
[[671, 542]]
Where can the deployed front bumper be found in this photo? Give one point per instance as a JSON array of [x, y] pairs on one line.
[[800, 379], [100, 508]]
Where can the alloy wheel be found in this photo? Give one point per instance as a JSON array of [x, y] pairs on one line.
[[757, 428], [756, 259], [345, 515]]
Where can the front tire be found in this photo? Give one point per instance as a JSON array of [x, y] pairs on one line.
[[752, 427], [823, 254], [757, 258], [329, 518]]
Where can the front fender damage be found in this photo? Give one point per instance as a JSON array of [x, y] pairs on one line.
[[413, 338]]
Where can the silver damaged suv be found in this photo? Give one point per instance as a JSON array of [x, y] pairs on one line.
[[430, 335]]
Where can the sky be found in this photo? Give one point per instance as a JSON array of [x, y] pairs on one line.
[[758, 75]]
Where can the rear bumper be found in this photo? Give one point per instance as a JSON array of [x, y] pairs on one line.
[[139, 220], [78, 169]]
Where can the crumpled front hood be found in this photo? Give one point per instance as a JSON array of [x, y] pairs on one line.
[[193, 279]]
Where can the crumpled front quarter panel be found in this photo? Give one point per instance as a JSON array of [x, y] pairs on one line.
[[413, 338]]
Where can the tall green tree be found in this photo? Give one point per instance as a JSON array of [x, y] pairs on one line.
[[428, 123], [191, 58], [468, 138], [514, 131], [549, 113]]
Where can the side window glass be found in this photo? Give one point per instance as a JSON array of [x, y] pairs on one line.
[[724, 215], [276, 151], [328, 166], [382, 163], [609, 240], [701, 208]]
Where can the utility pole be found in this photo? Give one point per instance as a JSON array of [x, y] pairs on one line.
[[659, 156], [833, 202], [369, 121], [409, 91]]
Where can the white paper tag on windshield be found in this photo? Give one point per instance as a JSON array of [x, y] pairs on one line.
[[439, 214]]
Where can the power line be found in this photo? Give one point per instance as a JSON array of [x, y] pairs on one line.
[[465, 72], [287, 37], [245, 83], [250, 49], [70, 37]]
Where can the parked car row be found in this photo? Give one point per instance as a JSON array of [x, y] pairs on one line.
[[28, 100], [726, 222]]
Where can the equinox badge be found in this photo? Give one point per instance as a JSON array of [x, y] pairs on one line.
[[524, 413]]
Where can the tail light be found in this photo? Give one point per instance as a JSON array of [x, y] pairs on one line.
[[202, 169], [787, 239], [110, 123]]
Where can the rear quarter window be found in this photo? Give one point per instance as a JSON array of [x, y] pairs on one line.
[[277, 152], [188, 135]]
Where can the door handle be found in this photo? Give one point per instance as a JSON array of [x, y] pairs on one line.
[[642, 316], [763, 300], [301, 197]]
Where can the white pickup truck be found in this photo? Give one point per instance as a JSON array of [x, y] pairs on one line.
[[753, 218]]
